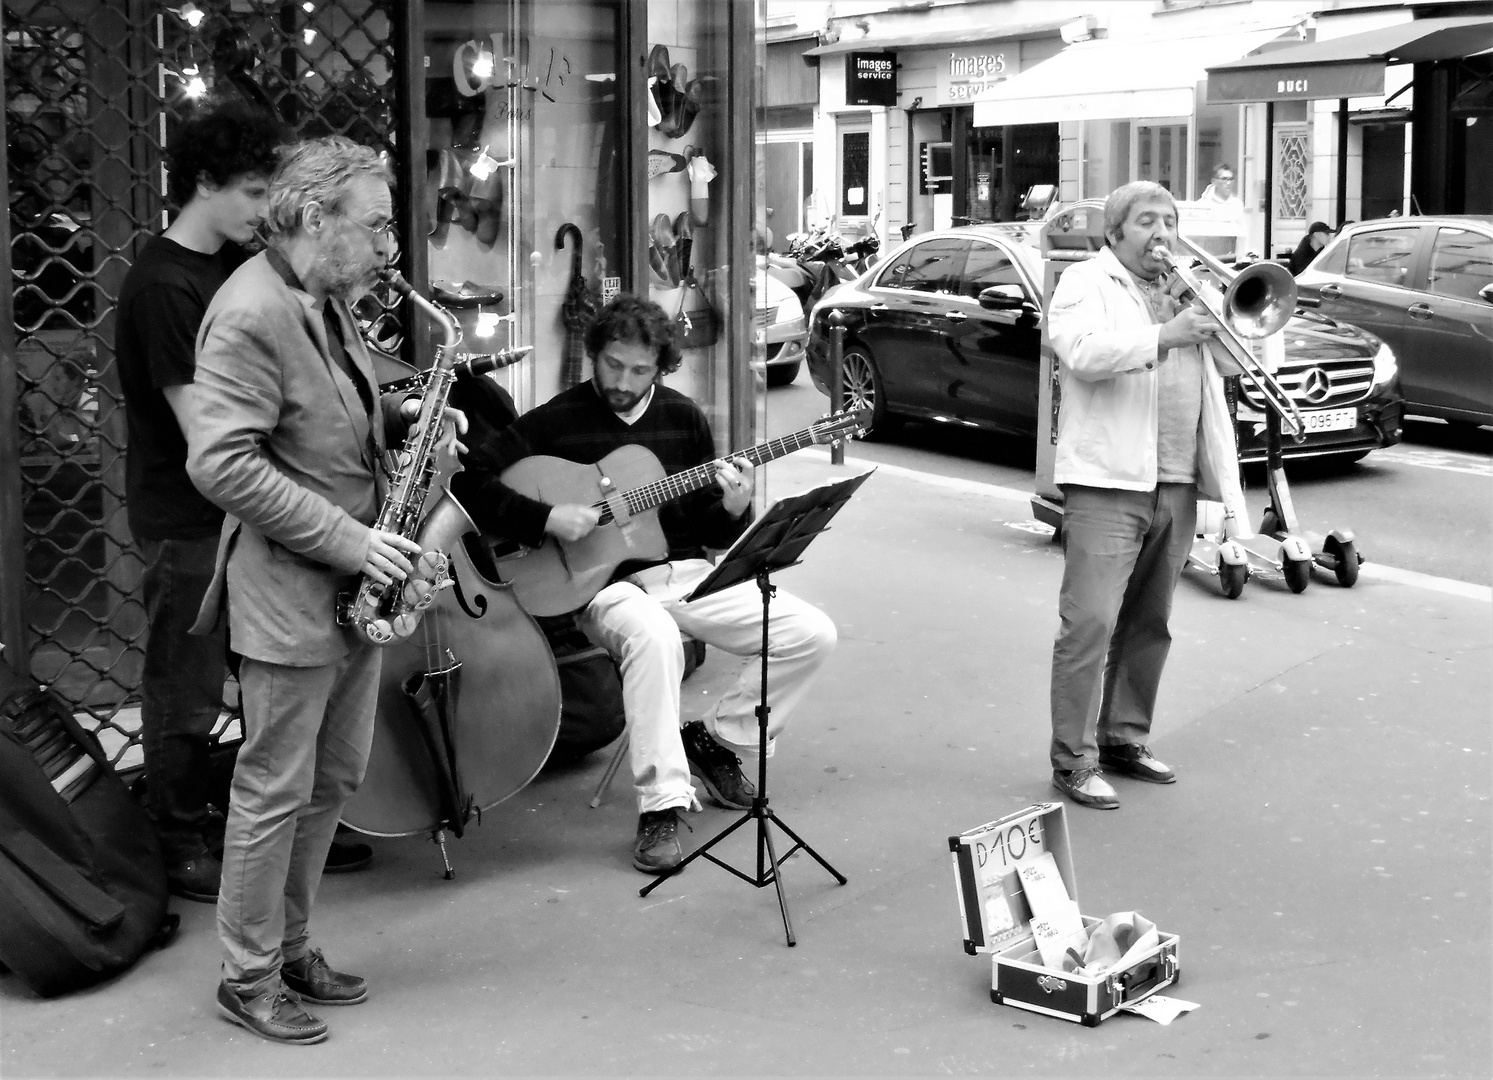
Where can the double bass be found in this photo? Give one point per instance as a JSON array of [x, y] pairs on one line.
[[469, 703]]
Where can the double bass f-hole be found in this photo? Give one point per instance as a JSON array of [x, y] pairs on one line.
[[479, 601]]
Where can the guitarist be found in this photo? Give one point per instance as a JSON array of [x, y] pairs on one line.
[[639, 615]]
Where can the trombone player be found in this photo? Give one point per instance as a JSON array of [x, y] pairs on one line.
[[1143, 431]]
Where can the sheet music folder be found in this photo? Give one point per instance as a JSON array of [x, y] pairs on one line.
[[776, 539]]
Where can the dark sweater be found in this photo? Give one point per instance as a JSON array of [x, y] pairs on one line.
[[579, 426]]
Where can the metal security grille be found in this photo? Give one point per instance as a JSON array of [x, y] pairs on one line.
[[91, 87], [1293, 168]]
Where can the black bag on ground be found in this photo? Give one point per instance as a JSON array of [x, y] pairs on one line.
[[82, 880], [591, 713]]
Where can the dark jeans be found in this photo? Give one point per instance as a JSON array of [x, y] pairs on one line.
[[181, 692], [1123, 552]]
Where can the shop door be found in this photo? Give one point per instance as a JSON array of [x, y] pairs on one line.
[[984, 175], [990, 371], [91, 87]]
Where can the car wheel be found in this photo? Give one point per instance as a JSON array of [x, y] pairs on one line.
[[782, 374], [861, 388]]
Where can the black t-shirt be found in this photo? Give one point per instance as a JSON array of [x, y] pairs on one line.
[[161, 306]]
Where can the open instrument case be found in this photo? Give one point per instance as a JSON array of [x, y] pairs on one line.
[[998, 920]]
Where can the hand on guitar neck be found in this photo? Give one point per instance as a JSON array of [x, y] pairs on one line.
[[572, 521]]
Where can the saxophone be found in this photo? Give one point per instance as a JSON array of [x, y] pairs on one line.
[[383, 613]]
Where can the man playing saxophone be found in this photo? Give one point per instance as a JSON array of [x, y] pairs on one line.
[[287, 433]]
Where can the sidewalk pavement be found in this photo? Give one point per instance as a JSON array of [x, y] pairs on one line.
[[1324, 855]]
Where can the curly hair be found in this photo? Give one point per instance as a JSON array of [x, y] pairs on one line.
[[637, 321], [222, 142], [318, 171]]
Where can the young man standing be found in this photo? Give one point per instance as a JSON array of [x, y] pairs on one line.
[[219, 163]]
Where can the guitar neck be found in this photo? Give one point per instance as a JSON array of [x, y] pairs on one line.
[[680, 484]]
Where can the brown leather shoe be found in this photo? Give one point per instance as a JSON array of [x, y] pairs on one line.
[[196, 878], [1136, 761], [1087, 788], [313, 979], [271, 1014]]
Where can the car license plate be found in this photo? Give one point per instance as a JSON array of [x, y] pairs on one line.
[[1329, 419]]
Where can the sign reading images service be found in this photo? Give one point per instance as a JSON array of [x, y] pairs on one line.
[[966, 75], [871, 79]]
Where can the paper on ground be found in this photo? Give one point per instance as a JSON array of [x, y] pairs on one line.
[[1161, 1009]]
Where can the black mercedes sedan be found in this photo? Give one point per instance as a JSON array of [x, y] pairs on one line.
[[948, 329]]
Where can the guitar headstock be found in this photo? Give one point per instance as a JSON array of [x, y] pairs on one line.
[[832, 427]]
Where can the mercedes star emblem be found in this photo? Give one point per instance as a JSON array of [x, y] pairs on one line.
[[1316, 385]]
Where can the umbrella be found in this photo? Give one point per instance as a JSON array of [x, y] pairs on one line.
[[576, 310]]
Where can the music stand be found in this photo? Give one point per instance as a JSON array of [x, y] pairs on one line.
[[773, 542]]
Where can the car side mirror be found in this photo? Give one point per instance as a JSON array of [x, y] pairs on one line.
[[1486, 292], [993, 299]]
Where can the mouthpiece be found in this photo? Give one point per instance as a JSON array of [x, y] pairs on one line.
[[396, 282]]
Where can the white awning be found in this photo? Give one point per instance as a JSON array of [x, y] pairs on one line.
[[1116, 79]]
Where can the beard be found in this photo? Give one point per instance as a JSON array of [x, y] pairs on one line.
[[343, 274]]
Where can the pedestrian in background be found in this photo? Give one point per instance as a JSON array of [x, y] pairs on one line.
[[1317, 236], [219, 163], [1143, 430]]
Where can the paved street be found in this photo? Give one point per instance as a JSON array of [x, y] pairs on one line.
[[1325, 857]]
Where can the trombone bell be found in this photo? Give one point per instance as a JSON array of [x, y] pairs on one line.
[[1260, 300]]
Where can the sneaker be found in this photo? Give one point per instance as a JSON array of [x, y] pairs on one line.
[[1136, 761], [271, 1014], [196, 878], [1086, 787], [657, 850], [716, 768], [313, 980]]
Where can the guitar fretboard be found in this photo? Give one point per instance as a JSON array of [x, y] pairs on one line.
[[682, 483]]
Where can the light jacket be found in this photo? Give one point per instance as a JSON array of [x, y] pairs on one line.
[[278, 438], [1106, 344]]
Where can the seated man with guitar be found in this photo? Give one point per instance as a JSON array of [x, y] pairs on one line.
[[616, 491]]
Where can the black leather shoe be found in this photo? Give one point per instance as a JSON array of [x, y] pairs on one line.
[[1136, 761], [346, 858], [196, 878], [271, 1014], [313, 979]]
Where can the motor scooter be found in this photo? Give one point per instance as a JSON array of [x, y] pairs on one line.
[[819, 260]]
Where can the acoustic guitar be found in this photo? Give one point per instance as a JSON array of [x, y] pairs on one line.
[[626, 487]]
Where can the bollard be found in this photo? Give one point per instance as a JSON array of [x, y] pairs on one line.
[[836, 380]]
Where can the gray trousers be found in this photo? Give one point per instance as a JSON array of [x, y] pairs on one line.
[[307, 732], [1123, 552]]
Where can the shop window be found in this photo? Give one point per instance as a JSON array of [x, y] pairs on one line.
[[1383, 170], [1382, 256], [1161, 156], [1461, 263], [855, 173], [931, 267]]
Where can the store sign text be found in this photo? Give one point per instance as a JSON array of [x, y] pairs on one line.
[[972, 75]]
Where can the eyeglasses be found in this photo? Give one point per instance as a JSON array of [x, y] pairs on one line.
[[388, 230], [1226, 178]]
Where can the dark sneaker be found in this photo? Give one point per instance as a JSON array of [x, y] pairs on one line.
[[657, 850], [1086, 787], [272, 1014], [1136, 761], [716, 768], [345, 858], [196, 878], [313, 980]]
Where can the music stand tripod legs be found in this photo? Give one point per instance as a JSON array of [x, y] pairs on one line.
[[773, 542]]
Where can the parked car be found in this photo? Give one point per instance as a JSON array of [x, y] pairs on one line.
[[949, 328], [778, 323], [1425, 286]]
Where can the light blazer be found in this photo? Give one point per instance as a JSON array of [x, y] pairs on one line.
[[279, 439]]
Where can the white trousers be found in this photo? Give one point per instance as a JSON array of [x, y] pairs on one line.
[[639, 620]]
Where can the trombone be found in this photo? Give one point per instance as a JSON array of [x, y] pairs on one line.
[[1258, 302]]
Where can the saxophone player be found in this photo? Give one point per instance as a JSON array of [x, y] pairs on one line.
[[287, 432]]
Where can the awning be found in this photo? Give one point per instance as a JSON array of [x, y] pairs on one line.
[[1345, 67], [1115, 79], [955, 35]]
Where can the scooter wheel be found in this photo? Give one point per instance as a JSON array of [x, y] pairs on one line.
[[1298, 574], [1232, 576], [1346, 566]]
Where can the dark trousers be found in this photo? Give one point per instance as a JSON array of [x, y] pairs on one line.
[[181, 693], [1123, 552]]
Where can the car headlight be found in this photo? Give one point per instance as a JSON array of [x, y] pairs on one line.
[[1385, 367]]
